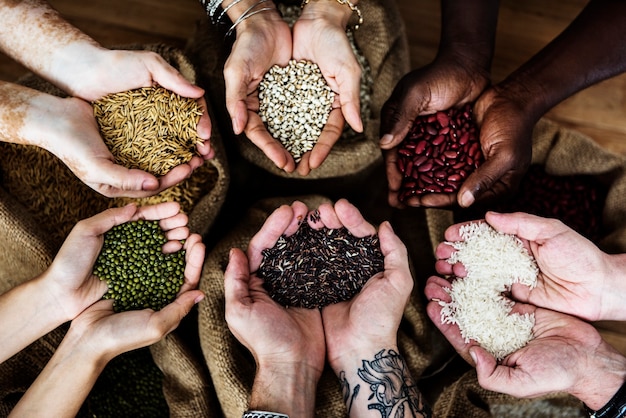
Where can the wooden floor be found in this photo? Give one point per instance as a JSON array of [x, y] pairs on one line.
[[523, 28]]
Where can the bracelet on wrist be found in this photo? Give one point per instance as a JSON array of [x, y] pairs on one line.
[[356, 12], [615, 408], [263, 414]]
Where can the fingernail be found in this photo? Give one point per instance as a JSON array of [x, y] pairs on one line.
[[473, 356], [467, 198], [236, 129], [198, 299], [386, 139]]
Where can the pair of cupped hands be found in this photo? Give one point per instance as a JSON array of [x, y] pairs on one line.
[[577, 284], [298, 340], [265, 40]]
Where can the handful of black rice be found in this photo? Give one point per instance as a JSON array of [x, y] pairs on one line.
[[315, 268], [138, 274], [150, 128]]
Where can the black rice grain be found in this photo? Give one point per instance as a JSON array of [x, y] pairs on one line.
[[315, 268]]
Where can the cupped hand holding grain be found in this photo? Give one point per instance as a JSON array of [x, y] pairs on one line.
[[575, 276], [566, 355], [359, 328], [287, 344], [319, 36], [68, 286], [262, 41], [439, 86]]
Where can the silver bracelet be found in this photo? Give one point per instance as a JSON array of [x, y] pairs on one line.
[[248, 13], [263, 414], [226, 9]]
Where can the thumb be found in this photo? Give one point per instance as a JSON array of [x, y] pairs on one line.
[[115, 180]]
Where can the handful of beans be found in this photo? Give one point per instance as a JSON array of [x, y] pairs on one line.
[[439, 152]]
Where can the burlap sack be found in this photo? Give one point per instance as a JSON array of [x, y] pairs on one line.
[[232, 367], [25, 254], [44, 200], [382, 42], [561, 151]]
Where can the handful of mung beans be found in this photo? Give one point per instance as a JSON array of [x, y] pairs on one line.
[[137, 272]]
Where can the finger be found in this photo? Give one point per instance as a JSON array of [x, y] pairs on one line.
[[397, 118], [158, 211], [435, 289], [117, 181], [176, 220], [395, 256], [258, 134], [485, 178], [328, 216], [351, 107], [204, 123], [444, 250], [168, 77], [490, 375], [330, 135], [303, 167], [236, 282], [394, 177], [102, 222], [450, 331], [526, 226], [205, 150], [167, 319], [300, 211], [434, 200], [350, 217], [275, 225], [194, 260]]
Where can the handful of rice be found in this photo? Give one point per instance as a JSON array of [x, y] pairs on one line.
[[150, 128], [493, 262]]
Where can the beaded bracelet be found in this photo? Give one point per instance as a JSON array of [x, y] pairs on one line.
[[352, 7], [263, 414], [615, 408]]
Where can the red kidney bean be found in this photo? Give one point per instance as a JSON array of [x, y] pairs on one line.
[[439, 152]]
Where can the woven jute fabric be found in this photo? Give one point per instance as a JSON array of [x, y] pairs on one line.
[[41, 200], [25, 254], [561, 151], [465, 398], [187, 386], [382, 41], [232, 367]]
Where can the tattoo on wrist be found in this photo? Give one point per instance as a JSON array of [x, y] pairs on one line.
[[393, 391]]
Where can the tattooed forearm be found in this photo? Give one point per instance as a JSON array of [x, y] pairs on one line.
[[393, 392]]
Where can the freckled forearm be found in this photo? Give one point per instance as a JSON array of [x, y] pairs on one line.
[[26, 115], [36, 35]]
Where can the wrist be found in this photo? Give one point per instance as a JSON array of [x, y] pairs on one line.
[[614, 291], [601, 378], [614, 408], [350, 360], [332, 11], [288, 388], [77, 68]]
